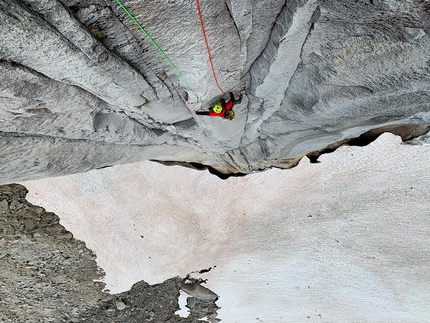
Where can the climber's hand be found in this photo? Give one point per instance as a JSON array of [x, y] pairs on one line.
[[232, 89]]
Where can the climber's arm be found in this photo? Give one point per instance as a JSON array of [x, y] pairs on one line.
[[202, 113], [231, 96]]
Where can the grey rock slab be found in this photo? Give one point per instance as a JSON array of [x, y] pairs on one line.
[[263, 19], [182, 41], [276, 82], [33, 103], [30, 41], [58, 156], [81, 87], [198, 291], [57, 15]]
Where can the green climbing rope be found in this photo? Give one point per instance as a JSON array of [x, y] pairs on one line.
[[159, 49]]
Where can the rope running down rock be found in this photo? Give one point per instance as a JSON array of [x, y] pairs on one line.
[[159, 49], [207, 45]]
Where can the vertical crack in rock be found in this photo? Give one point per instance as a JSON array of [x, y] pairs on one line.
[[314, 18], [284, 46], [262, 21], [229, 9], [241, 15]]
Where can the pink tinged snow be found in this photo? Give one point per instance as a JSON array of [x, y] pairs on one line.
[[346, 239]]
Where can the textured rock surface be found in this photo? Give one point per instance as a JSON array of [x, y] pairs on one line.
[[82, 88], [46, 275]]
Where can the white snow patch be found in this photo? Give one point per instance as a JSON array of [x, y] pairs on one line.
[[182, 301]]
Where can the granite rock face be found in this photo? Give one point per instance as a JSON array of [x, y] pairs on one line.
[[81, 87]]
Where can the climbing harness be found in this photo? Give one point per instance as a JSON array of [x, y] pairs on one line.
[[207, 45], [159, 49], [229, 115]]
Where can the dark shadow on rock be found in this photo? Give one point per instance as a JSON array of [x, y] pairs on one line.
[[201, 167], [406, 132]]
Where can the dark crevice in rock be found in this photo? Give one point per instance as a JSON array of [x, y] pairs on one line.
[[198, 166], [261, 65], [406, 132], [228, 6], [251, 64], [313, 20], [171, 87]]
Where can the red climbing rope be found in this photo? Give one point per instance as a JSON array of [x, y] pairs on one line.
[[207, 45]]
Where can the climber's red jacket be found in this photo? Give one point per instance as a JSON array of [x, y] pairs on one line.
[[225, 107]]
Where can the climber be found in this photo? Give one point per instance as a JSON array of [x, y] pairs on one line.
[[222, 108]]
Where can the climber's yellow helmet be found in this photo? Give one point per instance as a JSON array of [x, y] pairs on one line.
[[217, 108]]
